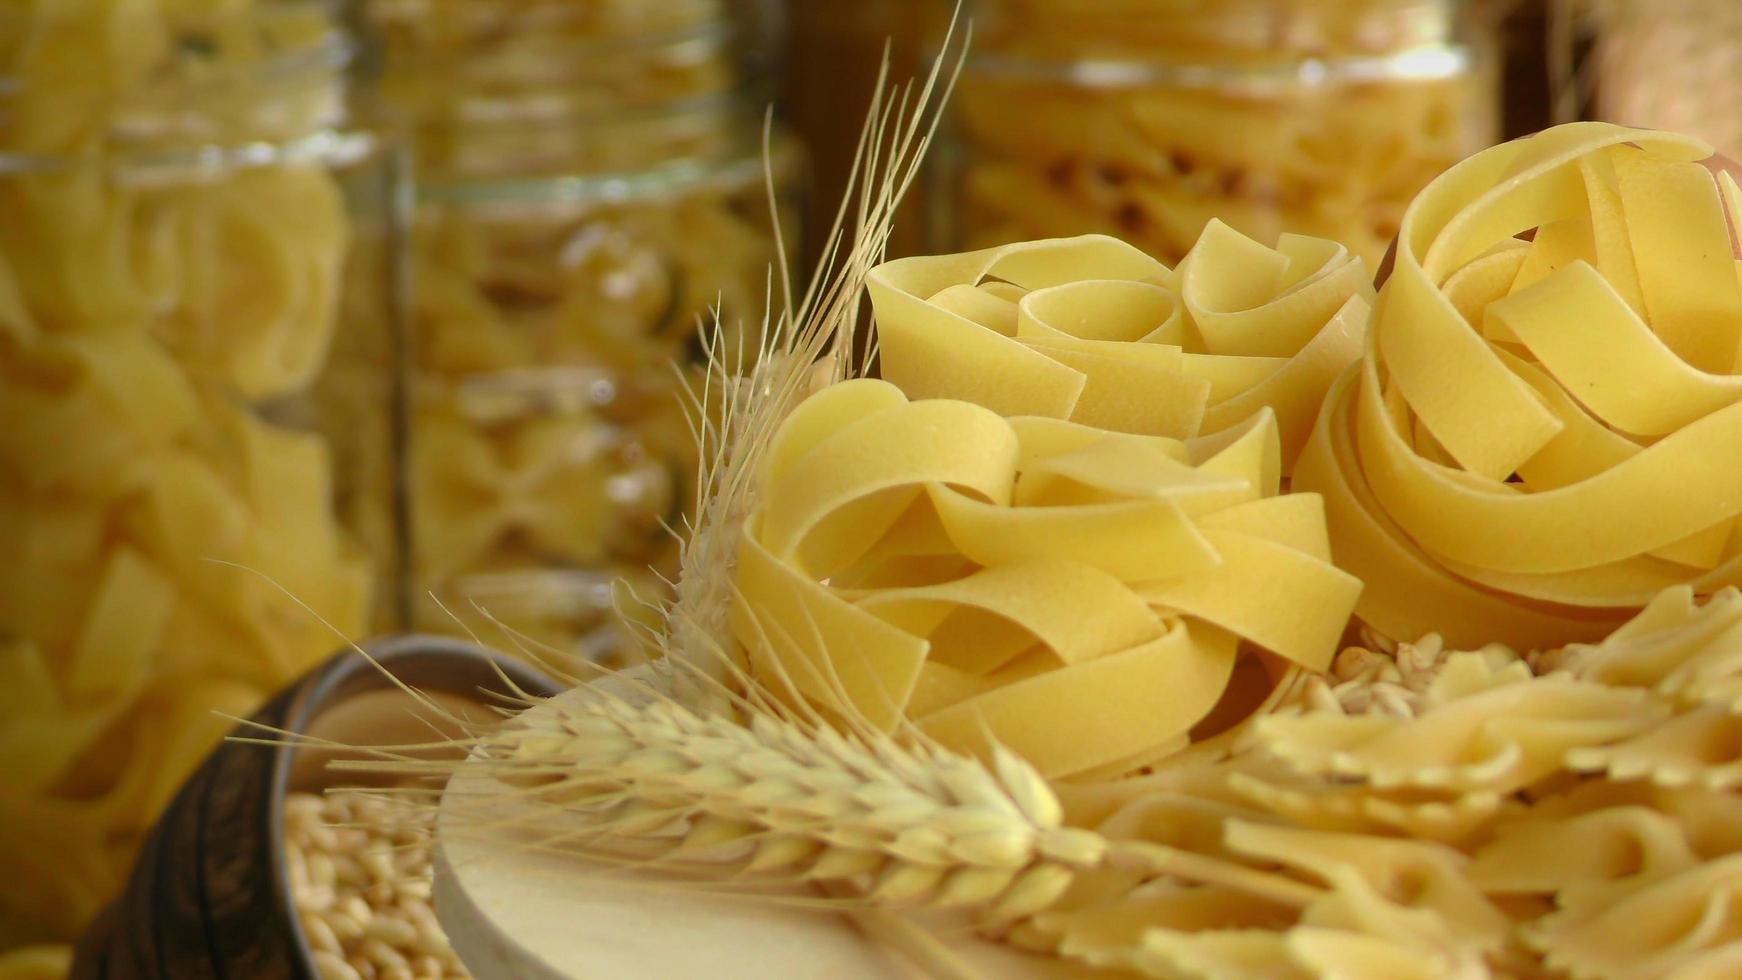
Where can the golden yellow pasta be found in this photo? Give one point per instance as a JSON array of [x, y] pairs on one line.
[[1093, 331], [592, 190], [169, 304], [983, 572], [1607, 847], [1147, 119], [1539, 438], [1074, 458]]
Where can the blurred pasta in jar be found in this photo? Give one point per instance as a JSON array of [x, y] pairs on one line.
[[1144, 119], [1670, 65], [187, 210], [591, 190]]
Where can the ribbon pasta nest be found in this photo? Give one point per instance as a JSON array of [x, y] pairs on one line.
[[1043, 528], [1543, 433]]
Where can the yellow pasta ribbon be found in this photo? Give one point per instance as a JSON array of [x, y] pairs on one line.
[[1076, 594], [1542, 434], [1093, 331]]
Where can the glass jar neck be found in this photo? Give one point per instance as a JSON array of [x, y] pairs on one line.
[[84, 77], [494, 88]]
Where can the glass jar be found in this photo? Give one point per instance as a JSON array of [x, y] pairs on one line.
[[1670, 65], [1144, 119], [591, 187], [187, 215]]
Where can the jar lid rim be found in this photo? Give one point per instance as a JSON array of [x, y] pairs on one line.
[[1425, 63]]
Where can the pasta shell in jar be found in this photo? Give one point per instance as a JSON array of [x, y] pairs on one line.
[[187, 212]]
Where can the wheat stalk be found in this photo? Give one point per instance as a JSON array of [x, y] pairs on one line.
[[658, 786]]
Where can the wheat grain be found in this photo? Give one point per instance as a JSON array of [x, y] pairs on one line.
[[1383, 678], [359, 876]]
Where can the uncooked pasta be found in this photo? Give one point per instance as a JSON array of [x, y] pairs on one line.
[[164, 314], [1145, 120], [592, 193], [1497, 468], [1013, 523]]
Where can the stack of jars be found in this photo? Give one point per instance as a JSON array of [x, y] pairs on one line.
[[1146, 118], [590, 193], [189, 224]]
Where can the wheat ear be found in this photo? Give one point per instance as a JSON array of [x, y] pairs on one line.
[[656, 785]]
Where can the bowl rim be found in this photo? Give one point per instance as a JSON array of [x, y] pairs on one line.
[[362, 669]]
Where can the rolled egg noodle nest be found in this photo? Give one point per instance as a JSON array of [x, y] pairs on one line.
[[1058, 519], [1544, 434]]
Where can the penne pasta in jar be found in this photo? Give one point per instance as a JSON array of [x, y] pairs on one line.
[[1144, 119]]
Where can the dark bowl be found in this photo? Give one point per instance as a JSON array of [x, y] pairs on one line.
[[210, 895]]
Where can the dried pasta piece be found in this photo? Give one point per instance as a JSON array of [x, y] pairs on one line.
[[1083, 594], [1496, 467], [1484, 730], [1325, 805], [1092, 330], [1376, 880], [1578, 858], [1676, 647], [1702, 747], [1644, 930]]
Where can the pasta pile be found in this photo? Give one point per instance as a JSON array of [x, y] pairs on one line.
[[1576, 820], [548, 433], [1543, 434], [569, 244], [1054, 506], [1146, 119], [148, 317]]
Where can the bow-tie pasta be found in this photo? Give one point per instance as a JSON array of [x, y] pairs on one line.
[[1078, 594], [1093, 331], [1544, 432]]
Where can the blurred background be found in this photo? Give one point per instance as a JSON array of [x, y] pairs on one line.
[[325, 320]]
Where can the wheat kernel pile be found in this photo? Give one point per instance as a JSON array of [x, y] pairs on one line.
[[361, 879]]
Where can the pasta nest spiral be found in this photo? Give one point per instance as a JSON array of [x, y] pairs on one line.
[[1094, 331], [1055, 522], [1543, 433]]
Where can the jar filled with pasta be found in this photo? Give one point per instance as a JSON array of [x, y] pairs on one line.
[[1672, 65], [1146, 118], [188, 226], [591, 192]]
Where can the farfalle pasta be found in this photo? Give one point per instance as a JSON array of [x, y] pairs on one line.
[[933, 560], [1482, 732], [593, 208], [1540, 438], [1093, 331], [1562, 813]]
